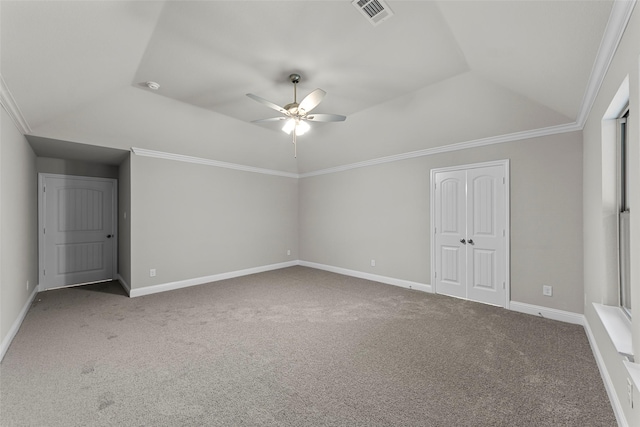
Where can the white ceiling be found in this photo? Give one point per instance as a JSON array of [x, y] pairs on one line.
[[76, 70]]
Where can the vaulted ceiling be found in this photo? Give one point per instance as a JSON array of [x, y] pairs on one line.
[[435, 73]]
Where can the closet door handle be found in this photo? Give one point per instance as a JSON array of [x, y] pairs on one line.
[[471, 242], [464, 242]]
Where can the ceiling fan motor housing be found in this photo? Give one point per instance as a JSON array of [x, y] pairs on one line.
[[295, 78]]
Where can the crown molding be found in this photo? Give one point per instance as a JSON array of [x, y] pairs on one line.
[[500, 139], [199, 160], [11, 107], [512, 137], [618, 20]]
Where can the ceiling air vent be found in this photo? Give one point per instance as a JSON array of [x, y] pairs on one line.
[[375, 11]]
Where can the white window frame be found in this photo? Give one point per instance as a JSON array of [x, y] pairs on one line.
[[624, 259]]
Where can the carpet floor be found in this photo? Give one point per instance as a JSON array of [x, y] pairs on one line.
[[294, 347]]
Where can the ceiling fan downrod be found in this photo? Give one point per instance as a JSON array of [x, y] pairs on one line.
[[295, 79]]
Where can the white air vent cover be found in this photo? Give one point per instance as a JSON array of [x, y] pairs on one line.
[[375, 11]]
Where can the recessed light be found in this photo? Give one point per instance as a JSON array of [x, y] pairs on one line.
[[153, 85]]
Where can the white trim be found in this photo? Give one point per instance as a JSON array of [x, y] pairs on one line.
[[11, 107], [368, 276], [507, 226], [6, 342], [606, 378], [512, 137], [500, 139], [199, 160], [618, 20], [547, 313], [164, 287], [124, 284]]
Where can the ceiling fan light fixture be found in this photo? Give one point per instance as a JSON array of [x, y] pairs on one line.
[[302, 127], [289, 125], [299, 126]]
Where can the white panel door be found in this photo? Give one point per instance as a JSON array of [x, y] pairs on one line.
[[450, 219], [470, 217], [486, 248], [78, 229]]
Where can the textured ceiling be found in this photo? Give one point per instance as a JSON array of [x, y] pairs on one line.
[[77, 70]]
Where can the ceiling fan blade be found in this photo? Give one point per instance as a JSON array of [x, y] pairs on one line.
[[312, 100], [325, 118], [271, 119], [268, 103]]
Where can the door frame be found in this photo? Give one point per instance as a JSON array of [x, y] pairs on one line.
[[42, 221], [432, 199]]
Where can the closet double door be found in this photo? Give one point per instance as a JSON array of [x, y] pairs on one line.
[[470, 244]]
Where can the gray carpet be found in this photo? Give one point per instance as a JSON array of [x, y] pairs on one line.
[[294, 347]]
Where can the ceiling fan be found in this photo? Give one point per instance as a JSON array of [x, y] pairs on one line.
[[297, 114]]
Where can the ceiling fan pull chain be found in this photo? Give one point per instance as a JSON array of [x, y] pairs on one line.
[[295, 146]]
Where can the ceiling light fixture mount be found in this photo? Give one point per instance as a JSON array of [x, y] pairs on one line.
[[297, 114]]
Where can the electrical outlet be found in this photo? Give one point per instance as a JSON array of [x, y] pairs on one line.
[[373, 263], [152, 272], [547, 290], [630, 392]]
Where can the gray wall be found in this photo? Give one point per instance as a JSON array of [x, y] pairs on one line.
[[382, 212], [600, 259], [18, 223], [190, 221], [124, 221]]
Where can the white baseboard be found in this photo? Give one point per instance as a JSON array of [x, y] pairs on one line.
[[548, 313], [6, 342], [579, 319], [147, 290], [124, 285], [368, 276], [606, 379]]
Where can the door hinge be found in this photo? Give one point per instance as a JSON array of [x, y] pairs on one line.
[[44, 272], [504, 180], [435, 274], [44, 188], [44, 231], [504, 233], [504, 285]]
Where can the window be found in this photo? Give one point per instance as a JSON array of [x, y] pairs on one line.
[[624, 234]]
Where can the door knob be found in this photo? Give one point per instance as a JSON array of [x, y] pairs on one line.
[[109, 236], [464, 242], [471, 241]]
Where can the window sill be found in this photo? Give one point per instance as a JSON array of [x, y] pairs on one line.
[[618, 327]]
